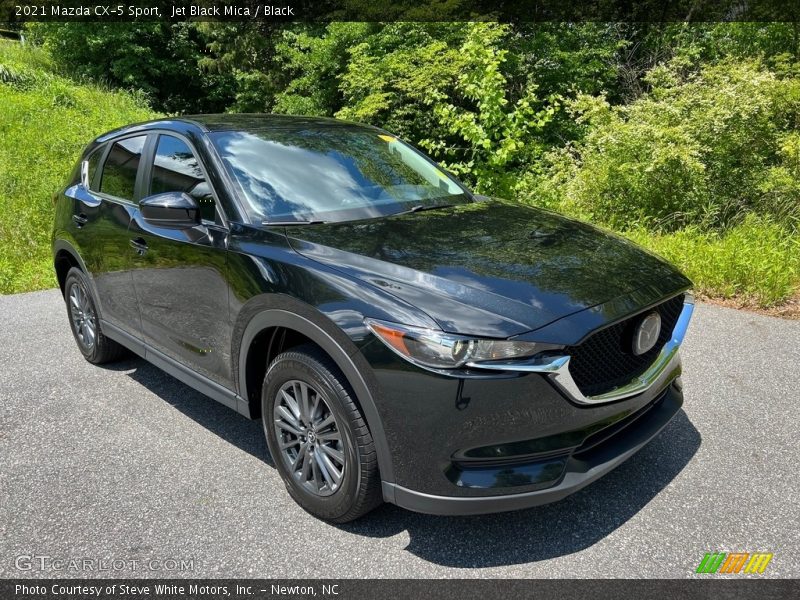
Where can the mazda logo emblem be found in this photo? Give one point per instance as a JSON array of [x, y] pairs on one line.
[[646, 334]]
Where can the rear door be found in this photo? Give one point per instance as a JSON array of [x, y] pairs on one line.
[[101, 216], [180, 275]]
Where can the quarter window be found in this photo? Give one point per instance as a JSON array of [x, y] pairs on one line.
[[176, 169], [119, 172], [94, 160]]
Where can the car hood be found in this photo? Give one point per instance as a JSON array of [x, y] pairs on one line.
[[490, 268]]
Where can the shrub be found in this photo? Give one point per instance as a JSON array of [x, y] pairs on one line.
[[700, 150]]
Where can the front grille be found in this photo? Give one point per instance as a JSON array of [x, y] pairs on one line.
[[605, 360]]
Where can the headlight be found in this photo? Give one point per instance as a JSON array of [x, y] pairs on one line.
[[440, 350]]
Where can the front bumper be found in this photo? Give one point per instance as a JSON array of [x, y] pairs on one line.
[[492, 442], [504, 436], [581, 468]]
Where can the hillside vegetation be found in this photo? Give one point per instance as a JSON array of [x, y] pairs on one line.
[[704, 169], [45, 122], [683, 137]]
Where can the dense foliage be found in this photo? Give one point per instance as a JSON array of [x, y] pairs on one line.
[[701, 148], [163, 61], [682, 136]]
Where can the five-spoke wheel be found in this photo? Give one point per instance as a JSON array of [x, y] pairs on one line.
[[82, 315], [84, 321]]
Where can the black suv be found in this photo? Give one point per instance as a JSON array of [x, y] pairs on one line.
[[402, 338]]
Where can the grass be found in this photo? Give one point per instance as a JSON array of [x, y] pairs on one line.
[[756, 263], [45, 122]]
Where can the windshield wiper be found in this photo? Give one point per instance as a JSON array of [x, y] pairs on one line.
[[423, 207], [282, 223]]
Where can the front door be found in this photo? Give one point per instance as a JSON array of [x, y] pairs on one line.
[[180, 275]]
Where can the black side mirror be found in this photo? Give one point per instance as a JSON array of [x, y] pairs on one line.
[[170, 209]]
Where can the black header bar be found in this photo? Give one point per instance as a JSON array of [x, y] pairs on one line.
[[351, 589], [20, 11]]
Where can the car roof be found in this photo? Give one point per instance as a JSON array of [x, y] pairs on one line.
[[259, 122], [246, 122]]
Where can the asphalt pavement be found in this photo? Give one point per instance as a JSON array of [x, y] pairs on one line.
[[136, 473]]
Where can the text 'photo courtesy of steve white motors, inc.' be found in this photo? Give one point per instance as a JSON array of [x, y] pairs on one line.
[[177, 590]]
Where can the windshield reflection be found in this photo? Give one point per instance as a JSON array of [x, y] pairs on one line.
[[333, 174]]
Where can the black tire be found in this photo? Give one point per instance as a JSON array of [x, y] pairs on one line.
[[99, 349], [359, 490]]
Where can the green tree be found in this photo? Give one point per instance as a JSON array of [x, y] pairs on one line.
[[163, 60], [496, 135]]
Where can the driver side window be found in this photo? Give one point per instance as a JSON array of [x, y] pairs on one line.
[[176, 169]]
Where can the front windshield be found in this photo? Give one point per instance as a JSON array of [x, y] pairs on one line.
[[331, 173]]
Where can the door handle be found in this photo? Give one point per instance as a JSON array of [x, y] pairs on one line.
[[139, 245], [80, 220]]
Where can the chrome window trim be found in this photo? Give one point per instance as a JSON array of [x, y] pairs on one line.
[[557, 367]]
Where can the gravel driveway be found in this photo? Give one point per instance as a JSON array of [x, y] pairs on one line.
[[125, 463]]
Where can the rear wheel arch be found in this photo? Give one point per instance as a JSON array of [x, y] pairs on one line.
[[264, 336], [65, 256], [63, 262]]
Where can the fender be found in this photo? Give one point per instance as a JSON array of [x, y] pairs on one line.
[[62, 244], [283, 311]]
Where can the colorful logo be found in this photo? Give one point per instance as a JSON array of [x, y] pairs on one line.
[[734, 562]]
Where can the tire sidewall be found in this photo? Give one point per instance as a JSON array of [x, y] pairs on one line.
[[75, 277], [307, 369]]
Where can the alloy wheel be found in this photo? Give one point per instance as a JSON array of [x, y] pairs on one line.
[[309, 438], [82, 315]]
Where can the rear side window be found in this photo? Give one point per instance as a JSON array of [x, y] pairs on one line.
[[176, 169], [119, 171], [94, 160]]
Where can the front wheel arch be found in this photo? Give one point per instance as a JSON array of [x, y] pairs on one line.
[[329, 339]]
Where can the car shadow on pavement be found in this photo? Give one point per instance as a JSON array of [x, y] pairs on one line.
[[565, 527], [232, 427]]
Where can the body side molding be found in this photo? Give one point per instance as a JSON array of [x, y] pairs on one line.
[[180, 372]]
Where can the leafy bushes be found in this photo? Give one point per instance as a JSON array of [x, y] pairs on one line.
[[45, 122], [164, 61], [682, 136], [698, 150], [704, 169], [495, 135]]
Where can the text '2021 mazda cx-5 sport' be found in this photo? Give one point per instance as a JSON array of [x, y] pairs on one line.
[[402, 339]]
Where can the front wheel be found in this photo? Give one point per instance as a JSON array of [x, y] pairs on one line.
[[317, 436]]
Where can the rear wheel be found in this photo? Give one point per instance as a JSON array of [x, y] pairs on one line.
[[317, 436], [84, 322]]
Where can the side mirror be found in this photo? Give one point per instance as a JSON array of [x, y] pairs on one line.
[[171, 209]]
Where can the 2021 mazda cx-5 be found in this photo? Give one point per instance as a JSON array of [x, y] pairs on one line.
[[402, 339]]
